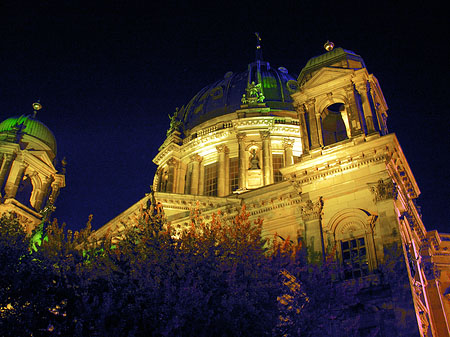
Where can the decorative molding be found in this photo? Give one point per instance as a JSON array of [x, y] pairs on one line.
[[222, 148], [311, 210], [264, 135], [288, 143], [430, 270], [196, 158], [383, 190]]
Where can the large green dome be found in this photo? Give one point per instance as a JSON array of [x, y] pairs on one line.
[[224, 96], [31, 127]]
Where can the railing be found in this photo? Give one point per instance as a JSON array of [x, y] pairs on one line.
[[228, 125]]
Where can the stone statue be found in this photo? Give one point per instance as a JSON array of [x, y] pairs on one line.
[[254, 160], [253, 94], [175, 122]]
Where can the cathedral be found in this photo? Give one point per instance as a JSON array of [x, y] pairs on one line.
[[310, 155], [29, 180]]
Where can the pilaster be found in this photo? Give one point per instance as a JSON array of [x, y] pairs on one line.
[[267, 167], [288, 145], [14, 179], [242, 159], [361, 87], [221, 177], [196, 159]]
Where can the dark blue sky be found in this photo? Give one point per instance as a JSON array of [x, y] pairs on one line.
[[109, 73]]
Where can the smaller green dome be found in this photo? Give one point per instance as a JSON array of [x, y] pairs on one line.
[[32, 127], [335, 58]]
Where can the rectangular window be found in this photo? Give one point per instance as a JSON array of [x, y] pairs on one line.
[[278, 162], [211, 179], [188, 178], [234, 174], [354, 258]]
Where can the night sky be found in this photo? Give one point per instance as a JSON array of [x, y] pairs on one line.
[[109, 73]]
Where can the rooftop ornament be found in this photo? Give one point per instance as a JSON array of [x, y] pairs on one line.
[[328, 46], [175, 122], [36, 107], [253, 94], [258, 47]]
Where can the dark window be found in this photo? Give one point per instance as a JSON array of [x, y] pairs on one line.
[[234, 174], [333, 127], [163, 180], [354, 258], [278, 162], [188, 179], [211, 179]]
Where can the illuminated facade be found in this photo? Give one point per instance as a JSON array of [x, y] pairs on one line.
[[312, 156], [29, 181]]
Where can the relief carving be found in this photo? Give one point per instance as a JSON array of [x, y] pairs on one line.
[[310, 210], [383, 190]]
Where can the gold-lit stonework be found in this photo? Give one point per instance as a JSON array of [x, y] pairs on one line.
[[320, 167], [29, 181]]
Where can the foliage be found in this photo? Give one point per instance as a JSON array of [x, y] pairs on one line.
[[215, 277]]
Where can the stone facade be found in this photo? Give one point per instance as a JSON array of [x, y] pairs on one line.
[[322, 169], [29, 181]]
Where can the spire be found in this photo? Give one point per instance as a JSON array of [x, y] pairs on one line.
[[36, 107], [258, 47]]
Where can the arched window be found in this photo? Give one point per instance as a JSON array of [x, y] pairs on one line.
[[24, 191], [333, 126], [354, 242]]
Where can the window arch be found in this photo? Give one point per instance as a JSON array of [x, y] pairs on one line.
[[333, 126], [353, 236], [24, 191]]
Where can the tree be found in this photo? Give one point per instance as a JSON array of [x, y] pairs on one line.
[[217, 276]]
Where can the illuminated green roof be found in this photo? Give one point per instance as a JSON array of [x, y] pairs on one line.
[[337, 58], [32, 127], [225, 95]]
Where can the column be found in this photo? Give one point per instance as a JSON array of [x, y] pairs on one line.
[[288, 144], [55, 193], [367, 111], [313, 126], [227, 172], [353, 111], [303, 130], [172, 162], [434, 298], [201, 179], [14, 181], [242, 160], [221, 177], [319, 128], [6, 165], [42, 193], [267, 167], [159, 175], [196, 159], [344, 116]]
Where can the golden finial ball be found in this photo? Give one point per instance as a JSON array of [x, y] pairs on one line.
[[37, 106], [328, 46]]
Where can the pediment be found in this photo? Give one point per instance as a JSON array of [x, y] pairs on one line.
[[327, 75], [43, 157]]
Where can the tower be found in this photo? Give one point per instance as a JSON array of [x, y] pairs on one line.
[[312, 156], [28, 177]]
